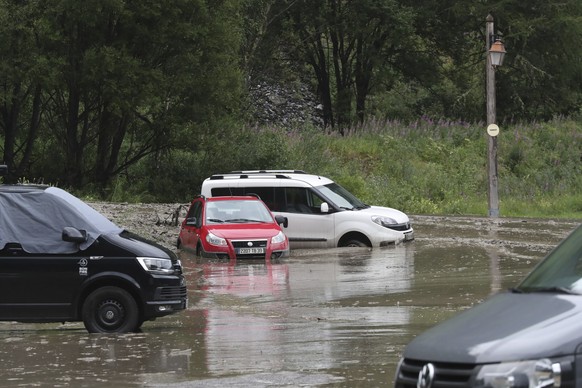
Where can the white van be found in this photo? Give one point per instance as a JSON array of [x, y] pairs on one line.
[[321, 213]]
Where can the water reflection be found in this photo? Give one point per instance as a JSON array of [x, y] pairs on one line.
[[493, 252], [312, 311], [246, 279], [344, 274]]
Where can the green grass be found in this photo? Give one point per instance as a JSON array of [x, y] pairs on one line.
[[442, 168], [426, 167]]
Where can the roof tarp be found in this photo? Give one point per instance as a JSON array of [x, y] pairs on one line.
[[36, 219]]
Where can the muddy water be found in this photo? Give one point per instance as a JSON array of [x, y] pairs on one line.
[[337, 318]]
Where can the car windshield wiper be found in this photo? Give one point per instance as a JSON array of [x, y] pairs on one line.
[[362, 206], [215, 220], [244, 220], [552, 289]]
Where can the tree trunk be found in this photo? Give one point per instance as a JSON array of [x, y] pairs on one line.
[[73, 150]]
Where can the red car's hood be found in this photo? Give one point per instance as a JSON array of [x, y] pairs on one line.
[[246, 230]]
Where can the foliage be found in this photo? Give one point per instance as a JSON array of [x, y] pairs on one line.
[[427, 167], [346, 44], [439, 167], [142, 101], [110, 83], [400, 59]]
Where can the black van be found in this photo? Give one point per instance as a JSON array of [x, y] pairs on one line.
[[530, 336], [62, 261]]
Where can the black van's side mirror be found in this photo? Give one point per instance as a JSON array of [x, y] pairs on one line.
[[74, 235], [282, 220]]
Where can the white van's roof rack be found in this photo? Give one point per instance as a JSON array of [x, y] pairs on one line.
[[257, 173]]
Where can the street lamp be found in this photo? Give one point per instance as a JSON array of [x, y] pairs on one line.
[[496, 53]]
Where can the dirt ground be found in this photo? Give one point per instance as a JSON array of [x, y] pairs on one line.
[[159, 222]]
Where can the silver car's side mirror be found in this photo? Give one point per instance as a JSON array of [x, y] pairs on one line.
[[324, 208]]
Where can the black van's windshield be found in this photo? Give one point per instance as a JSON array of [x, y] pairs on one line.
[[560, 271], [341, 197]]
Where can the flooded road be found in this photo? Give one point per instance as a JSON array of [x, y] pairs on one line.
[[330, 318]]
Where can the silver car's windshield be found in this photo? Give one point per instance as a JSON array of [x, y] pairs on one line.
[[341, 197], [560, 271]]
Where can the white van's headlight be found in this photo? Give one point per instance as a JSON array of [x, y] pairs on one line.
[[215, 240], [279, 238], [530, 374], [156, 265], [383, 221]]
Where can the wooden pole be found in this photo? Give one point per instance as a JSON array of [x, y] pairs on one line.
[[491, 118]]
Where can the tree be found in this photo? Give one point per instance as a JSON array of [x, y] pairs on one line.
[[347, 44], [24, 72], [127, 78], [540, 77]]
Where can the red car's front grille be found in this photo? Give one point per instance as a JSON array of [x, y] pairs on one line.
[[249, 243]]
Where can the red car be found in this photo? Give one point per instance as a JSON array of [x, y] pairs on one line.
[[233, 228]]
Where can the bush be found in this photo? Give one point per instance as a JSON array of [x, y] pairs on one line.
[[424, 167]]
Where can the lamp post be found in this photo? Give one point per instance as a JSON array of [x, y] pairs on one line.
[[495, 55]]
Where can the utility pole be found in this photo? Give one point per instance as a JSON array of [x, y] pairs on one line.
[[495, 53]]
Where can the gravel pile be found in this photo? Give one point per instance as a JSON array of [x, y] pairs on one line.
[[285, 105], [159, 222]]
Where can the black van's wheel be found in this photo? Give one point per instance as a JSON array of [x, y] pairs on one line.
[[110, 310]]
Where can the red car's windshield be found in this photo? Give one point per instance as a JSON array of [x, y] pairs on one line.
[[237, 211]]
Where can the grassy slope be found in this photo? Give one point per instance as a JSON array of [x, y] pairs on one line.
[[440, 167]]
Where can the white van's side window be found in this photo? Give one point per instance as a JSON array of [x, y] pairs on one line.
[[302, 200], [296, 200], [278, 199]]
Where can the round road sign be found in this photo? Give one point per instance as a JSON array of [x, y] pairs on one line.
[[493, 130]]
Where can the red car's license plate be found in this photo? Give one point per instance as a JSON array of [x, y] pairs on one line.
[[250, 251]]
